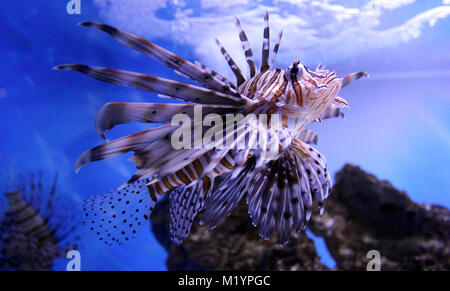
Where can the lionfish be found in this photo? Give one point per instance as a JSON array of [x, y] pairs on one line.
[[278, 189], [37, 227]]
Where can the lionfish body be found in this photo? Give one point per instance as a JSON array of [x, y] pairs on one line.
[[278, 188]]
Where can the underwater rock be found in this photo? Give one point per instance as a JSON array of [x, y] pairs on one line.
[[233, 245], [362, 214]]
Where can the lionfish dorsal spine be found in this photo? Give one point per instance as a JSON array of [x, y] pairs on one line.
[[276, 47], [266, 44], [240, 77], [246, 48]]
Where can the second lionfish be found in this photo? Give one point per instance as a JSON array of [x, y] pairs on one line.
[[38, 226], [278, 188]]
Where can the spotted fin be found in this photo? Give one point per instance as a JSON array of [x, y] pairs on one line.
[[274, 199], [312, 165], [117, 216]]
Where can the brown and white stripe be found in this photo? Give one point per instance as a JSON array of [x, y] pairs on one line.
[[164, 56], [158, 85], [27, 219], [247, 48], [266, 44], [215, 74], [240, 78]]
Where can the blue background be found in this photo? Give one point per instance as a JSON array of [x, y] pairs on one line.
[[397, 127]]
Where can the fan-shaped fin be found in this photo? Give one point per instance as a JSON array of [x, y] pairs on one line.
[[185, 203], [224, 199], [118, 215], [123, 145], [332, 111], [154, 84], [308, 136], [114, 113], [164, 56]]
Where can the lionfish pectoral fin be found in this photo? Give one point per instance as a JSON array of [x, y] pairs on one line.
[[117, 216], [313, 167], [353, 77], [185, 203], [123, 145], [163, 56], [157, 85], [341, 102], [332, 110], [224, 199], [277, 199], [308, 136], [115, 113]]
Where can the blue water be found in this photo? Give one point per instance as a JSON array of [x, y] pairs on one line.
[[397, 127]]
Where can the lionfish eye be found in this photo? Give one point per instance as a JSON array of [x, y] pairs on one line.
[[294, 69]]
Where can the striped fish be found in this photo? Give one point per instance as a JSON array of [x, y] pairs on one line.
[[37, 227], [279, 188]]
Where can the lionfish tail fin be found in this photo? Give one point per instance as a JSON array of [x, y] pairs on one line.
[[116, 217]]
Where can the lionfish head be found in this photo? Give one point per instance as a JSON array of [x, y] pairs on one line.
[[314, 90]]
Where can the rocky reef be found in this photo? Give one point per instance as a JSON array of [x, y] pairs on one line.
[[362, 214]]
